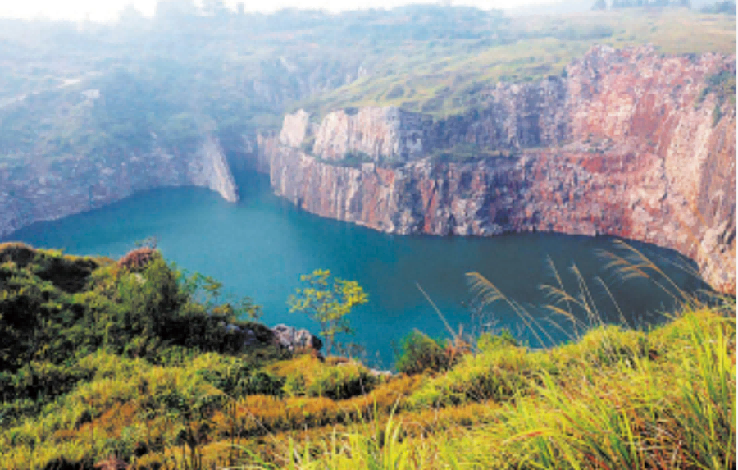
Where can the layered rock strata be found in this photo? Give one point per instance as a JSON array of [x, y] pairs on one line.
[[45, 191], [629, 143]]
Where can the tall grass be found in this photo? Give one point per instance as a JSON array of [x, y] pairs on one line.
[[613, 398]]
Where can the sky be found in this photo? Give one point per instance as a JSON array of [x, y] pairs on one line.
[[105, 10]]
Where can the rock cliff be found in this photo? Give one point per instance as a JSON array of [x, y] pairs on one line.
[[629, 143], [47, 191], [209, 168], [376, 132]]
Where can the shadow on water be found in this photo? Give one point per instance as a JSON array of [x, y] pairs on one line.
[[260, 246]]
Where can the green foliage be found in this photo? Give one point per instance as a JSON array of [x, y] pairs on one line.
[[237, 377], [676, 410], [308, 376], [56, 308], [419, 354], [498, 374], [350, 159], [355, 159], [232, 75], [490, 342], [586, 405], [328, 302], [723, 85]]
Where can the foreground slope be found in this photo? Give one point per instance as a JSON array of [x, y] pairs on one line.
[[120, 368]]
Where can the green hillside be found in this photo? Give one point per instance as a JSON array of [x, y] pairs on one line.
[[131, 363], [444, 77]]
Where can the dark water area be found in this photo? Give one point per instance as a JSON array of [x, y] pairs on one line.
[[260, 247]]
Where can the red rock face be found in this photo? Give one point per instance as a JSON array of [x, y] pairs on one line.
[[629, 146]]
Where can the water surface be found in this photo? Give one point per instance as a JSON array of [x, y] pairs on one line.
[[260, 247]]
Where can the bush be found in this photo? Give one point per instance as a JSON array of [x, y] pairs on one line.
[[420, 353], [307, 375], [56, 308], [498, 374], [604, 346], [489, 342]]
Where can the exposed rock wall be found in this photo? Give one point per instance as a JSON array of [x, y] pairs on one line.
[[388, 132], [296, 127], [628, 144], [209, 168], [41, 191]]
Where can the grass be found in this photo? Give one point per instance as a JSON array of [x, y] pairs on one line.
[[674, 409], [612, 397], [669, 405], [443, 79]]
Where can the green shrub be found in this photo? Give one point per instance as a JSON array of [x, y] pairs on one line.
[[341, 381], [489, 342], [606, 345], [307, 375], [56, 308], [497, 374], [420, 353]]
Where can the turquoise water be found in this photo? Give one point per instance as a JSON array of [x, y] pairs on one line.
[[260, 246]]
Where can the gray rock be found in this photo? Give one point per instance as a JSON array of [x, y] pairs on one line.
[[293, 339]]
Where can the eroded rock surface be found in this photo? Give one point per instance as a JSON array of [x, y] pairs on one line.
[[375, 132]]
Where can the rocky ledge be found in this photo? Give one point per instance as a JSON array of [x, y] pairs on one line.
[[629, 143]]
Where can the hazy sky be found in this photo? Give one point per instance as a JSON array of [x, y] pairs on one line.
[[101, 10]]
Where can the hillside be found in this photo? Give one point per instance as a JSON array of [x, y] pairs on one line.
[[444, 77], [114, 365]]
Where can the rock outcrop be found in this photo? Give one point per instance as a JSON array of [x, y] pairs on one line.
[[294, 339], [629, 143], [43, 190], [210, 169]]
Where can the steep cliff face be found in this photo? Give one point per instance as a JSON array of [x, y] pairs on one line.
[[377, 132], [209, 168], [630, 143], [46, 191], [296, 127]]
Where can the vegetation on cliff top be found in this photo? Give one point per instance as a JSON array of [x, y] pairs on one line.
[[134, 364], [444, 78]]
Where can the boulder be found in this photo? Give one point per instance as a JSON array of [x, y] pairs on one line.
[[295, 339]]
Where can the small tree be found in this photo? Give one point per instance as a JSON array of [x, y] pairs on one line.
[[327, 301]]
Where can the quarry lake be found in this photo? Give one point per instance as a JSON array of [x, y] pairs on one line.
[[260, 246]]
